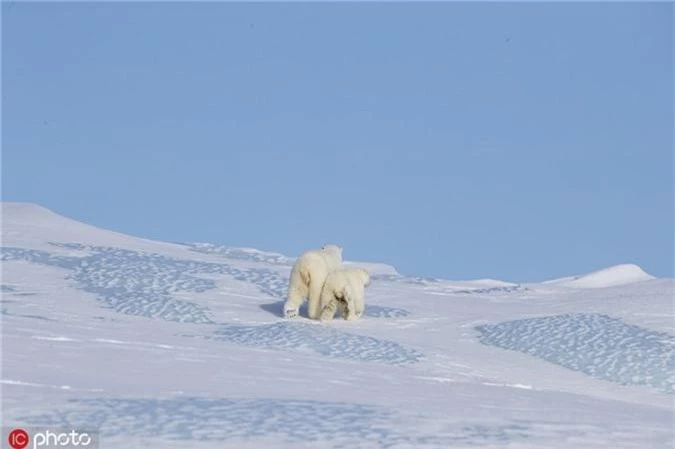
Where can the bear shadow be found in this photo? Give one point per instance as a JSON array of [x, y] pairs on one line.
[[277, 308]]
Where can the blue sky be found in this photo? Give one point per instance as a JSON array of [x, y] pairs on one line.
[[518, 141]]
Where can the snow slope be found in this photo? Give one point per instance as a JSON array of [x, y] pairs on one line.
[[167, 345], [616, 275]]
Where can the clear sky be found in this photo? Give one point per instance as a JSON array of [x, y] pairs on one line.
[[517, 141]]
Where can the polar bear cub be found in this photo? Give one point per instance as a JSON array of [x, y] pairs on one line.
[[344, 289], [307, 278]]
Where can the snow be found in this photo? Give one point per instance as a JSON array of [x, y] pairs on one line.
[[607, 277], [167, 345]]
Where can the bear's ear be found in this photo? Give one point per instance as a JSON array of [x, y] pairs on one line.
[[333, 247]]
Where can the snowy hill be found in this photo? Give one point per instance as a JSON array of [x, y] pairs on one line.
[[182, 345], [607, 277]]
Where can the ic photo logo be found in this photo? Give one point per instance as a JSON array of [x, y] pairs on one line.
[[19, 438]]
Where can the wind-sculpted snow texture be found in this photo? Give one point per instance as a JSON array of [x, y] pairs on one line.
[[290, 422], [403, 279], [493, 290], [267, 281], [321, 340], [142, 284], [597, 345], [130, 282], [375, 311], [240, 254]]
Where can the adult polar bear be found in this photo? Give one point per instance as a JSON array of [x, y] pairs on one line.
[[344, 289], [307, 278]]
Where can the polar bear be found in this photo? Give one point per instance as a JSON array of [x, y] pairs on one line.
[[344, 289], [307, 278]]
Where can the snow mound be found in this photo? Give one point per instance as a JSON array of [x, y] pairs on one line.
[[608, 277]]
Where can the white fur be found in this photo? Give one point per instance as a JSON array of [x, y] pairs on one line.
[[307, 278], [344, 289]]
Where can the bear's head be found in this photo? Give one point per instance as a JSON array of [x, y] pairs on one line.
[[331, 248], [365, 276]]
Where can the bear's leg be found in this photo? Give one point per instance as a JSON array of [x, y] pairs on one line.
[[314, 298], [344, 308], [351, 313], [344, 304], [328, 311], [349, 306], [297, 291], [292, 307], [358, 309], [358, 302]]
